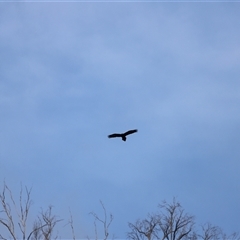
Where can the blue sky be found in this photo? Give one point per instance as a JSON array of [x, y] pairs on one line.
[[72, 73]]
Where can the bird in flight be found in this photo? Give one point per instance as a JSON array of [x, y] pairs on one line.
[[122, 135]]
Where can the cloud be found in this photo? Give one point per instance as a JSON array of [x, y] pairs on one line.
[[72, 73]]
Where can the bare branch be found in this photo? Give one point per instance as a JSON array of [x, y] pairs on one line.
[[175, 224], [22, 214], [43, 228], [145, 228], [8, 222], [105, 222], [170, 224], [35, 230], [71, 224], [210, 232]]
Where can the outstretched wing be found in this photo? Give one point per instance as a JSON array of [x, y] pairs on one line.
[[130, 132], [115, 135]]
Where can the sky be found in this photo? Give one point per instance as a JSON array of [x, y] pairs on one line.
[[73, 73]]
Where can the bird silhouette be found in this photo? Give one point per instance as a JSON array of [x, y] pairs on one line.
[[122, 135]]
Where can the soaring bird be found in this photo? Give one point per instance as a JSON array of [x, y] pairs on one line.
[[122, 135]]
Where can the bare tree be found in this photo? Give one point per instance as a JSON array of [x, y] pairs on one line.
[[44, 226], [13, 216], [175, 223], [210, 232], [147, 228], [170, 224], [105, 222], [7, 203], [233, 236]]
